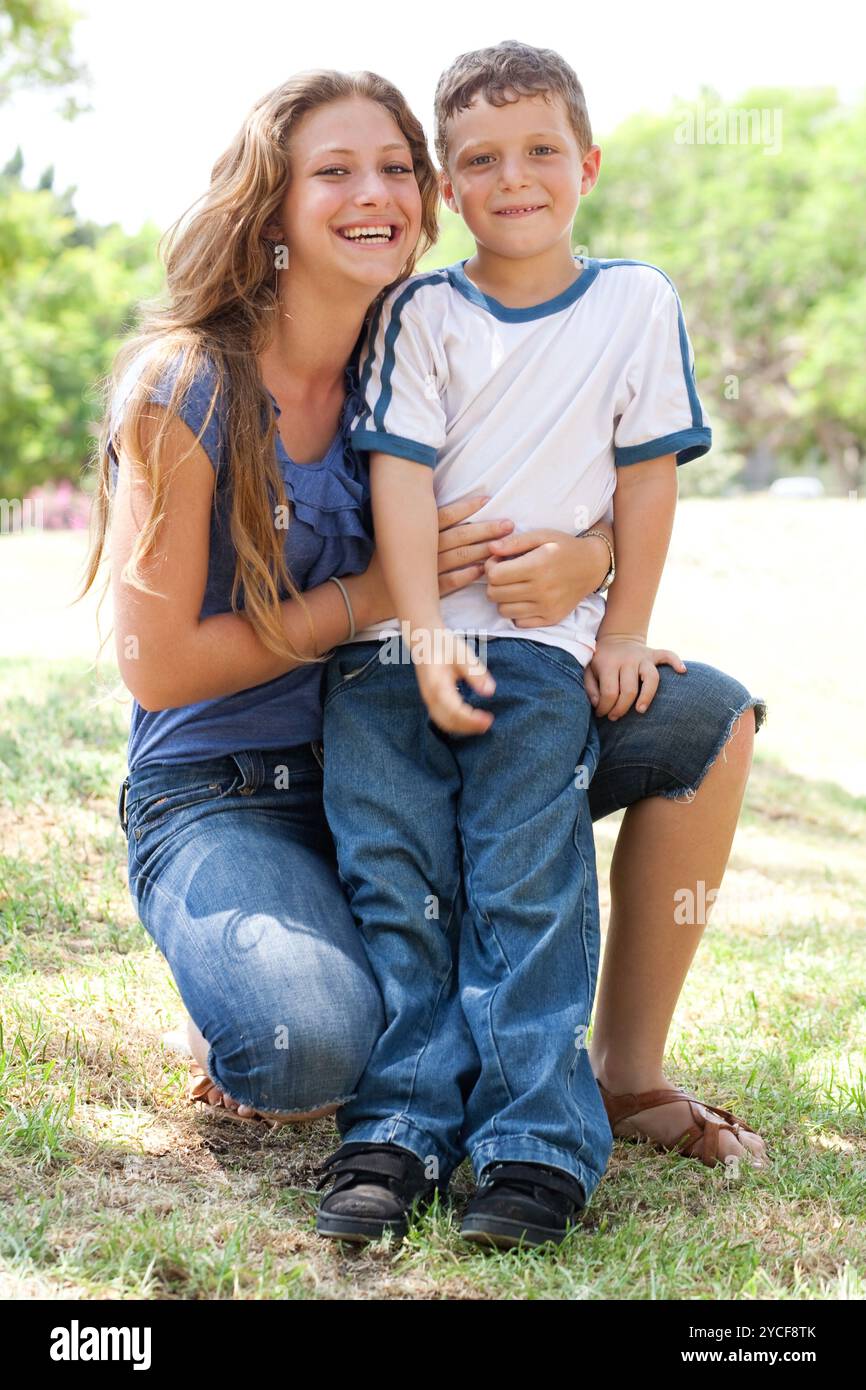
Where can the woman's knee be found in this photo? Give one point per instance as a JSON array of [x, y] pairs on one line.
[[303, 1064]]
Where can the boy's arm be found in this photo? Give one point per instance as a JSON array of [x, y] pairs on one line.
[[661, 425], [644, 506], [407, 539]]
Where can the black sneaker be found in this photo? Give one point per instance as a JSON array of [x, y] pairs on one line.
[[376, 1188], [522, 1203]]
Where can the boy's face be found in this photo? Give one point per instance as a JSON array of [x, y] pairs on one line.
[[516, 173]]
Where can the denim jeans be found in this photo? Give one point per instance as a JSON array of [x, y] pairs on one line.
[[232, 872], [469, 863]]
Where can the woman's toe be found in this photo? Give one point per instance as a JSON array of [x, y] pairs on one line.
[[756, 1148]]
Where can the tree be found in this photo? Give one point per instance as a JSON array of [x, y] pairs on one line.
[[766, 245], [68, 291], [36, 44]]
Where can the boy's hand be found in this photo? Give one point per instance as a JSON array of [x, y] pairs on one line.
[[437, 681], [536, 578], [622, 665]]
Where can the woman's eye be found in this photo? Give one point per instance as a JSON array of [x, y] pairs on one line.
[[333, 169], [397, 169]]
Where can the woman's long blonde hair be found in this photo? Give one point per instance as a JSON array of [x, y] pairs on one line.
[[221, 299]]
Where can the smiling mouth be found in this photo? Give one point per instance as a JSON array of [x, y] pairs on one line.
[[519, 212], [374, 234]]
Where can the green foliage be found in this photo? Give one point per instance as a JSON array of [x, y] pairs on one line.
[[67, 293], [455, 242], [764, 240], [36, 49]]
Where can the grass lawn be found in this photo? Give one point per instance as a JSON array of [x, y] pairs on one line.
[[112, 1186]]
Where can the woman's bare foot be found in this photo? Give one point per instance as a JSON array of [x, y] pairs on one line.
[[218, 1099], [665, 1124]]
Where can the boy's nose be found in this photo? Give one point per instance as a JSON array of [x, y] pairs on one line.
[[513, 175]]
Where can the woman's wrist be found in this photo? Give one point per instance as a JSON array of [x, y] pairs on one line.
[[361, 597], [369, 596], [334, 579]]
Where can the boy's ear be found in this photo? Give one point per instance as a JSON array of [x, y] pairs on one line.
[[591, 165], [447, 190]]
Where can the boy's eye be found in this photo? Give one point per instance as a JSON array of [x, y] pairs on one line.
[[536, 149]]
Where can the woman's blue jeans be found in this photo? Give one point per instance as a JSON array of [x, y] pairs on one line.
[[233, 874]]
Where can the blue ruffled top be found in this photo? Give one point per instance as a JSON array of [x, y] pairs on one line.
[[329, 532]]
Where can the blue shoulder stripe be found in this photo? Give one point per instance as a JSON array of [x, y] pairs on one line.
[[688, 372], [391, 333]]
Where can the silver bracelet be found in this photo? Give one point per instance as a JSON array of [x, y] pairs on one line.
[[341, 586], [611, 573]]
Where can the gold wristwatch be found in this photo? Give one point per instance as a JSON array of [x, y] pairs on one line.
[[611, 574]]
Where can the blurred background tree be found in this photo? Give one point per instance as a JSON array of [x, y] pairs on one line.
[[765, 241], [36, 49], [68, 288], [68, 291]]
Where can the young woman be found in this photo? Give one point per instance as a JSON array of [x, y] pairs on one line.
[[235, 501]]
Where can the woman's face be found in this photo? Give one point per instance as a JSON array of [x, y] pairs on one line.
[[353, 208]]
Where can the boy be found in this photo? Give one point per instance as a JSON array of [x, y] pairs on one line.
[[463, 833]]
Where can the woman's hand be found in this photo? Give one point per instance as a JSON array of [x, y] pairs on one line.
[[463, 548], [538, 577], [464, 545]]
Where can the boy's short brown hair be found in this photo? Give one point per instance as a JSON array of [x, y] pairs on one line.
[[508, 67]]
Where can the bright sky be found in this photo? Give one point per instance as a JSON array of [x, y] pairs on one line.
[[173, 79]]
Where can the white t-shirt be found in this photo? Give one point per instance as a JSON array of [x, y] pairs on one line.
[[535, 407]]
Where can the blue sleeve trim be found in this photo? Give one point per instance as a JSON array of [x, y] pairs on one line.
[[686, 444], [377, 441], [688, 372]]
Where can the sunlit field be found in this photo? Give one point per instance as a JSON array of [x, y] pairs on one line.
[[113, 1186]]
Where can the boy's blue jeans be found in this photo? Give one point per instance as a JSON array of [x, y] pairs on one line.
[[469, 864]]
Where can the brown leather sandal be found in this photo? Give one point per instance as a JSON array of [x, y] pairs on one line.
[[199, 1088], [705, 1127]]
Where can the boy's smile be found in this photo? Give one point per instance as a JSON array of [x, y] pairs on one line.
[[523, 211]]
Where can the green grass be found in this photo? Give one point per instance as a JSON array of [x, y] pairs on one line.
[[112, 1186]]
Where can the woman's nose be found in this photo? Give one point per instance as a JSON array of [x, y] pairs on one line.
[[372, 188]]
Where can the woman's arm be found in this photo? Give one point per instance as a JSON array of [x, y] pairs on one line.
[[168, 655]]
